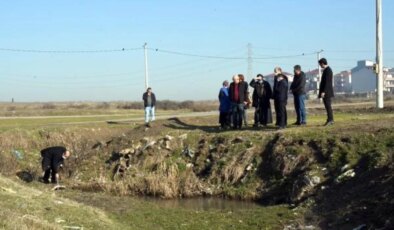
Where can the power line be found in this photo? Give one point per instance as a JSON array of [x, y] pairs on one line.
[[229, 58], [152, 49], [68, 51]]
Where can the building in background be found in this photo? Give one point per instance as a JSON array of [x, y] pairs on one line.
[[343, 82], [364, 78], [389, 81], [311, 80]]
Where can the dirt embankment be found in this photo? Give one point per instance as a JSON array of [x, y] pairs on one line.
[[343, 176]]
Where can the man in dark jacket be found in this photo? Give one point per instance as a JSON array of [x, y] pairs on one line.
[[261, 101], [280, 98], [52, 160], [238, 96], [298, 89], [225, 106], [326, 90], [149, 99]]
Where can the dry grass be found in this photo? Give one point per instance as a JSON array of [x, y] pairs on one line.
[[24, 207], [97, 108]]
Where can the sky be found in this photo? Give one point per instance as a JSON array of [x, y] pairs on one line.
[[279, 32]]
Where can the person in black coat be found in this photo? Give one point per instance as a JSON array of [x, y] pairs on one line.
[[280, 94], [52, 160], [238, 96], [297, 87], [149, 99], [261, 101], [326, 90]]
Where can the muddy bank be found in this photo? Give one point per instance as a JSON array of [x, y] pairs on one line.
[[314, 168]]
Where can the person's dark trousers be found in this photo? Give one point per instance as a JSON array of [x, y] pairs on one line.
[[245, 116], [257, 116], [237, 114], [224, 119], [276, 105], [49, 170], [281, 114], [327, 105], [46, 167], [299, 104]]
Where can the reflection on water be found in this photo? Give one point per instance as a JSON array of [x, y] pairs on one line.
[[204, 204]]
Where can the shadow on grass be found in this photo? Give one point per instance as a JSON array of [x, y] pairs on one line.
[[176, 123]]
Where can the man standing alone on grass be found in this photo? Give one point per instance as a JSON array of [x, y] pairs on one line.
[[326, 90], [53, 160], [149, 105], [225, 106], [280, 98], [298, 89], [238, 96]]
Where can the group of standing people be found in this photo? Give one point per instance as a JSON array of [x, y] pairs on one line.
[[234, 98]]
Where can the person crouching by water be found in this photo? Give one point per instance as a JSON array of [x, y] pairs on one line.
[[261, 101], [281, 89], [238, 96], [225, 106], [52, 161], [149, 99]]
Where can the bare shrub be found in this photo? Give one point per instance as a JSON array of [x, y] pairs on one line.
[[78, 106], [168, 105], [103, 105], [48, 106], [186, 104], [201, 108], [130, 105], [8, 163], [11, 108]]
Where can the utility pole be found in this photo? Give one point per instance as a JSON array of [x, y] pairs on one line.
[[318, 71], [250, 61], [379, 56], [146, 65]]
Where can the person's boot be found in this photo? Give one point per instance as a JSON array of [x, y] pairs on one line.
[[329, 123]]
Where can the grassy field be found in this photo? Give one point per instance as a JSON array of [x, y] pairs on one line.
[[97, 202], [36, 207]]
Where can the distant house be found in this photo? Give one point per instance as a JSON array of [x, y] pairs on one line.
[[343, 82], [364, 78], [311, 80], [389, 81]]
